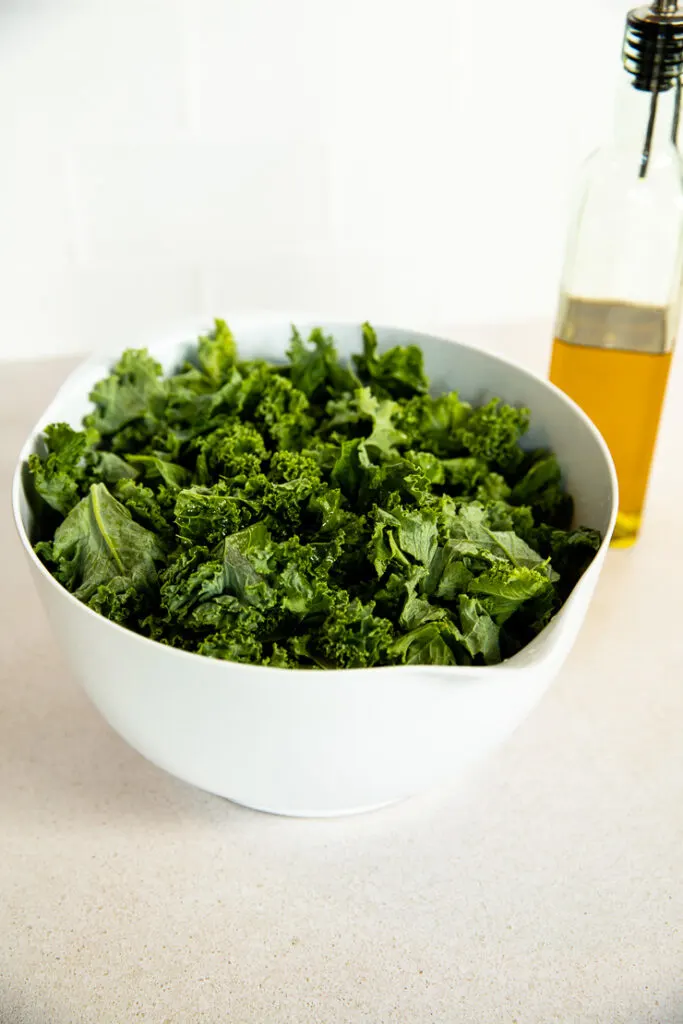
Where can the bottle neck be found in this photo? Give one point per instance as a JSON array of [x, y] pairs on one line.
[[634, 112]]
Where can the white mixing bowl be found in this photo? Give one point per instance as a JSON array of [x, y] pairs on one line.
[[313, 742]]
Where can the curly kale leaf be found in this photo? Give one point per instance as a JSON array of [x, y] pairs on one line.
[[103, 556], [403, 535], [434, 643], [315, 368], [311, 514], [58, 477], [541, 489], [206, 516], [367, 411], [147, 508], [353, 637], [492, 433], [217, 354], [398, 373], [133, 391], [155, 466], [433, 424]]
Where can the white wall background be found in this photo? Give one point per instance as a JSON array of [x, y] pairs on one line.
[[405, 160]]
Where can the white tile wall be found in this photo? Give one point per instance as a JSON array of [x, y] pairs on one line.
[[394, 159]]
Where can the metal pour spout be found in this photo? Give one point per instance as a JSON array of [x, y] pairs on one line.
[[664, 6], [653, 56]]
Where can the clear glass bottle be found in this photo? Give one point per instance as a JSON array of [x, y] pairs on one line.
[[620, 299]]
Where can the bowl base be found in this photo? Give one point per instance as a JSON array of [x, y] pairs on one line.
[[341, 813]]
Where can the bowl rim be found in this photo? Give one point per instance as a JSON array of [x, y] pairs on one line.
[[103, 360]]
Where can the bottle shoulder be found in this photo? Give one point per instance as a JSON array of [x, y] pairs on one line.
[[624, 162], [610, 178]]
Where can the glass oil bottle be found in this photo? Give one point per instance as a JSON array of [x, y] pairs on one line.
[[620, 299]]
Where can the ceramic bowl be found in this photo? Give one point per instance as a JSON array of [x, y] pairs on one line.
[[316, 743]]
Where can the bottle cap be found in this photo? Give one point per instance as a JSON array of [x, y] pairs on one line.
[[653, 46]]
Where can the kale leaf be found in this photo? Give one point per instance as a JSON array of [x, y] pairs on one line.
[[312, 514], [104, 557]]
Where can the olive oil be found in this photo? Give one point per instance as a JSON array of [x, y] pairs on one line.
[[613, 359], [621, 284]]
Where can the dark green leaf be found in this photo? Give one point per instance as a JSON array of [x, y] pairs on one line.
[[315, 367], [58, 476], [111, 468], [133, 391], [434, 643], [480, 634], [305, 515], [493, 432], [218, 353], [154, 466], [397, 373], [100, 544], [208, 517]]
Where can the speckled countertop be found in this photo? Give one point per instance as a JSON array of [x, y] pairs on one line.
[[546, 889]]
